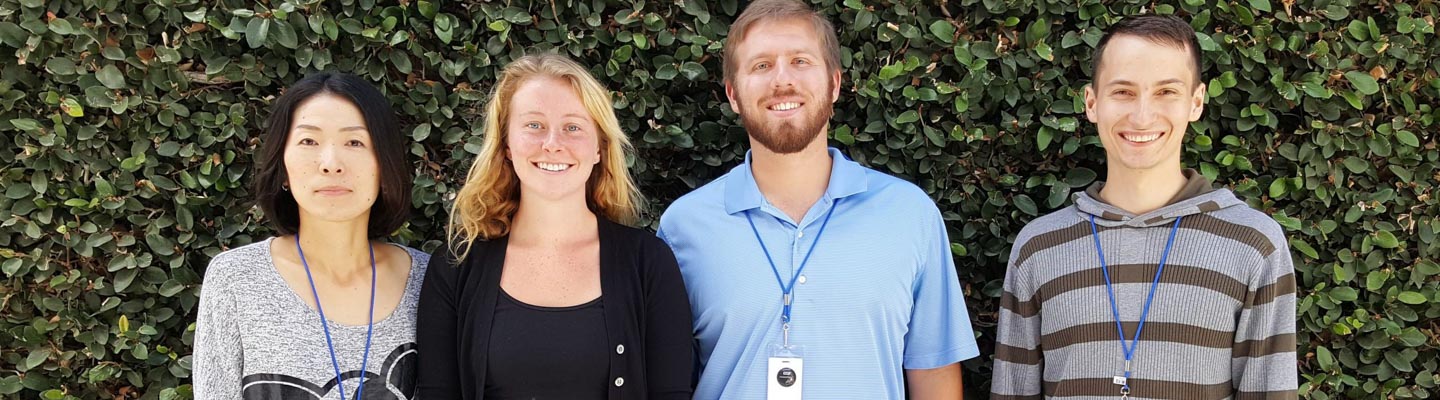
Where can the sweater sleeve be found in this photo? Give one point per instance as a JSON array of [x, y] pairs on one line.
[[217, 362], [435, 330], [1018, 368], [1264, 359], [669, 337]]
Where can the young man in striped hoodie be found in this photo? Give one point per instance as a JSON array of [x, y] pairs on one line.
[[1153, 284]]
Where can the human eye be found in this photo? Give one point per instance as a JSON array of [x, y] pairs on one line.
[[307, 142], [355, 143]]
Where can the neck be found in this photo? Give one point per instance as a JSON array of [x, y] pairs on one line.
[[339, 250], [1140, 192], [544, 222], [792, 181]]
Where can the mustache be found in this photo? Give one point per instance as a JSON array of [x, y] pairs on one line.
[[791, 92]]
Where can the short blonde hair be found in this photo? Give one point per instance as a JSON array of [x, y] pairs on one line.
[[487, 201], [775, 10]]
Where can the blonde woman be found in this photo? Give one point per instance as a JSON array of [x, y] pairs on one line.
[[543, 293]]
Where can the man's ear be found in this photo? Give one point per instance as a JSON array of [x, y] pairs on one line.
[[1197, 99], [1090, 103], [730, 95], [835, 86]]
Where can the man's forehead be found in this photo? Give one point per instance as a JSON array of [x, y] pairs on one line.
[[778, 38], [1138, 60]]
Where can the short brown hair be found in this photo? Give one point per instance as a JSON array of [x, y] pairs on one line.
[[773, 10], [1159, 29]]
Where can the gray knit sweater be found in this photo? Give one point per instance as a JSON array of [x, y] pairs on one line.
[[255, 338], [1223, 320]]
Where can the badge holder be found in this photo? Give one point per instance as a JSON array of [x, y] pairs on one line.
[[784, 376]]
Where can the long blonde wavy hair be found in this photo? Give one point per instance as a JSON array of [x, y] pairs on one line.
[[487, 202]]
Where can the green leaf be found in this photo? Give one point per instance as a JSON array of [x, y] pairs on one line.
[[692, 70], [256, 31], [891, 71], [1262, 5], [1304, 248], [1363, 82], [111, 77], [1277, 188], [906, 117], [1344, 293], [25, 124], [1324, 358], [1043, 138], [1043, 50], [1026, 205], [1409, 297], [1386, 239], [666, 72], [1356, 165], [1407, 138], [1375, 280], [36, 357], [943, 30], [285, 35]]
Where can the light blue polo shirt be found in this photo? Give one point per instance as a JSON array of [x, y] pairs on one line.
[[879, 295]]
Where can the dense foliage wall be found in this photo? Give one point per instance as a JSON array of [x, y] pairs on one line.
[[129, 130]]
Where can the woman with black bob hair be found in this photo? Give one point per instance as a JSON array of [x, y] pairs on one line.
[[325, 310]]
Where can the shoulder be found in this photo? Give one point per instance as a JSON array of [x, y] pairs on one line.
[[1062, 220], [1259, 230], [234, 264], [419, 260], [709, 196]]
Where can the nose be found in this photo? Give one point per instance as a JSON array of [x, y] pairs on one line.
[[551, 141], [330, 162], [784, 76], [1144, 114]]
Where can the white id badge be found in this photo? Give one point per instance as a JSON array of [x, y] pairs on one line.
[[784, 376]]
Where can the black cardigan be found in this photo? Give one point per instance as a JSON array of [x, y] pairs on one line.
[[647, 316]]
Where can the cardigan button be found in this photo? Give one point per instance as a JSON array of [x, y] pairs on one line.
[[619, 382], [620, 349]]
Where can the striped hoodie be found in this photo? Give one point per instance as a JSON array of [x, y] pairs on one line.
[[1222, 325]]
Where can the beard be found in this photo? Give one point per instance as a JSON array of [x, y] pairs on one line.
[[789, 136]]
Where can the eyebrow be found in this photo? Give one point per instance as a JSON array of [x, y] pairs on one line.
[[568, 115], [1161, 83], [345, 129]]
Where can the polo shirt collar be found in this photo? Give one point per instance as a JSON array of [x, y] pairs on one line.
[[741, 193]]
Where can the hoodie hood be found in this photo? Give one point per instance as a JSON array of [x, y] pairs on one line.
[[1197, 197]]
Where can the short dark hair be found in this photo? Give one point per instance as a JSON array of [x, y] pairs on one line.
[[392, 207], [1160, 29]]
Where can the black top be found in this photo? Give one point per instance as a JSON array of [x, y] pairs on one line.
[[649, 340], [547, 352]]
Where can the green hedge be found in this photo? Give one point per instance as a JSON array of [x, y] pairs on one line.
[[129, 131]]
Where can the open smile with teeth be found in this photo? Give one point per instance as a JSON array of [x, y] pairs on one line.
[[553, 167], [1139, 137], [784, 106]]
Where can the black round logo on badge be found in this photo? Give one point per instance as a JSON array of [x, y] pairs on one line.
[[785, 377]]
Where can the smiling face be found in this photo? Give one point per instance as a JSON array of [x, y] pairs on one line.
[[552, 141], [1142, 102], [329, 159], [782, 88]]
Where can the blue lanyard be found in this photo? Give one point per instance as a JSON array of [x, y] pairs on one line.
[[329, 343], [787, 289], [1129, 350]]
